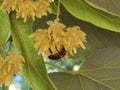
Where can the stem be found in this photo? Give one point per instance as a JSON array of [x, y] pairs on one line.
[[58, 9], [4, 87], [3, 53]]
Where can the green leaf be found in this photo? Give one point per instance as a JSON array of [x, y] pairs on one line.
[[103, 66], [34, 69], [87, 11], [4, 27], [110, 5], [65, 81], [101, 71]]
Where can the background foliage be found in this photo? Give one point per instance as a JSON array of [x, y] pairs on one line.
[[99, 63]]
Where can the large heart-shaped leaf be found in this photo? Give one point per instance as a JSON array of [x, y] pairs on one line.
[[110, 5], [34, 69], [103, 66], [89, 12], [101, 71]]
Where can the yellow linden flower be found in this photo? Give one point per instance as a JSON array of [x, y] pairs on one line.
[[9, 66], [27, 8], [76, 38], [42, 39], [56, 28], [1, 62], [9, 5], [14, 62], [57, 37], [78, 35], [42, 7], [5, 76]]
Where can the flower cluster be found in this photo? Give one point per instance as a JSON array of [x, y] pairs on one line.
[[57, 36], [27, 8], [9, 66]]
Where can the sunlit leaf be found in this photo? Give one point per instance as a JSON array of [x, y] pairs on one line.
[[34, 69], [4, 27], [101, 71], [87, 11]]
